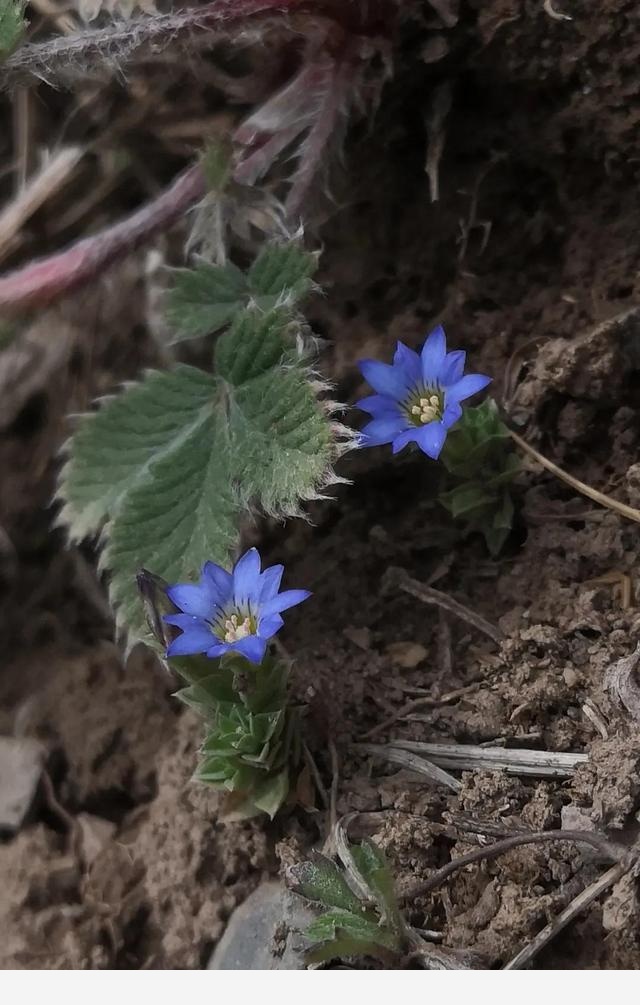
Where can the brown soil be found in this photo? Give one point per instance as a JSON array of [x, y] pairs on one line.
[[529, 257]]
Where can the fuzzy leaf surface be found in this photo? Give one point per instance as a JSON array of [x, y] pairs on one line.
[[113, 448], [205, 299]]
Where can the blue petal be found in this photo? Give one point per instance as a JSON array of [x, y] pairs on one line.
[[185, 621], [471, 384], [246, 578], [409, 361], [405, 437], [269, 626], [451, 414], [385, 379], [221, 580], [378, 405], [270, 581], [433, 354], [192, 599], [452, 368], [431, 439], [382, 430], [192, 641], [218, 650], [283, 601], [252, 647]]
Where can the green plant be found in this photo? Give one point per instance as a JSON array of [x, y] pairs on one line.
[[366, 923], [165, 470], [480, 466]]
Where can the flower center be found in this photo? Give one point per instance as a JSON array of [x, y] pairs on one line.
[[424, 406], [233, 629]]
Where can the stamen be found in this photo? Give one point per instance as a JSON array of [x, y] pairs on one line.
[[428, 414], [235, 630], [425, 409]]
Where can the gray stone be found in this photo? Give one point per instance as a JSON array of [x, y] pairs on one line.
[[21, 762], [263, 933]]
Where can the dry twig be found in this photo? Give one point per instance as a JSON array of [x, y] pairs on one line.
[[396, 578], [469, 757], [414, 763], [598, 841], [577, 905], [575, 483]]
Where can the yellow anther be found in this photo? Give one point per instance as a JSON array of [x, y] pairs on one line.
[[416, 410], [235, 630]]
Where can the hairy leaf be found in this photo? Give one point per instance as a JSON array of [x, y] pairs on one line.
[[171, 520], [282, 271], [204, 299], [165, 469], [376, 873], [321, 880], [113, 448]]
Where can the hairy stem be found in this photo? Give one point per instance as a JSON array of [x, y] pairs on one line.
[[63, 57], [41, 282]]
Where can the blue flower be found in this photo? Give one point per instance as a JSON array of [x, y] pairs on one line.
[[236, 611], [418, 397]]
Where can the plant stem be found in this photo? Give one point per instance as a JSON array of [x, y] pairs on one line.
[[63, 57], [42, 281]]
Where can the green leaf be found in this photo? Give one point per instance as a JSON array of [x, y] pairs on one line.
[[281, 441], [337, 922], [321, 880], [113, 448], [254, 345], [270, 796], [376, 873], [282, 272], [12, 25], [466, 499], [183, 512], [204, 299]]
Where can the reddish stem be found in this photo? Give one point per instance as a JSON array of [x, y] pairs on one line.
[[41, 282]]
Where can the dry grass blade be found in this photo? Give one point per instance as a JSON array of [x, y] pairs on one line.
[[575, 483], [414, 763], [565, 917], [340, 843], [397, 579], [50, 179], [469, 757]]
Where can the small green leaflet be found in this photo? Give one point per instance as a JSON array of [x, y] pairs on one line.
[[206, 298]]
